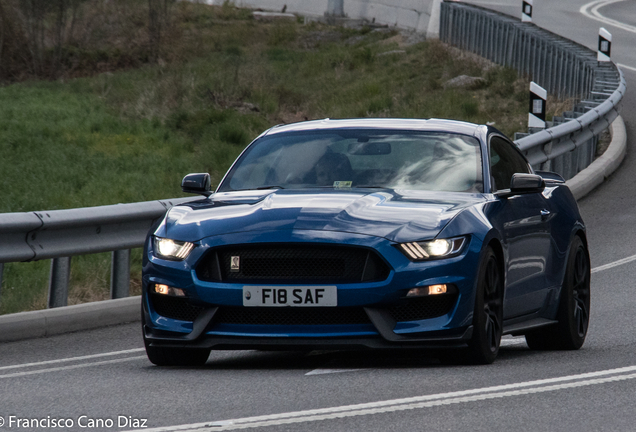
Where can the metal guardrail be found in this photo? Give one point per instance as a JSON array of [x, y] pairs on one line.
[[564, 68], [61, 234], [559, 65]]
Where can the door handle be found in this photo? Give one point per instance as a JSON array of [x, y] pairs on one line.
[[545, 214]]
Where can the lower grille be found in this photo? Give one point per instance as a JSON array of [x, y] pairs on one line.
[[175, 307], [412, 310], [291, 316], [423, 308]]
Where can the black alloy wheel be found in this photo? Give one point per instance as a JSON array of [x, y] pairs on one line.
[[488, 316], [573, 315]]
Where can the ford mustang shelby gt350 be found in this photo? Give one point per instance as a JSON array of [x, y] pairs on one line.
[[369, 233]]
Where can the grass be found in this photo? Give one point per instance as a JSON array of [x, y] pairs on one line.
[[131, 134]]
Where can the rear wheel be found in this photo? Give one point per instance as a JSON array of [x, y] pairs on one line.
[[573, 315], [488, 316]]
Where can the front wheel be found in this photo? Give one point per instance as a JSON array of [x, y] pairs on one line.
[[488, 316], [573, 315], [162, 356]]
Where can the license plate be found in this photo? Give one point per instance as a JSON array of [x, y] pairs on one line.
[[290, 296]]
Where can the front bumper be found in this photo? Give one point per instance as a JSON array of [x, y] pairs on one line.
[[386, 339], [380, 330]]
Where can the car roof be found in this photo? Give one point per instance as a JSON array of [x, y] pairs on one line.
[[433, 125]]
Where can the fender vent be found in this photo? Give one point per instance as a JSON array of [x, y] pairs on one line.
[[175, 307]]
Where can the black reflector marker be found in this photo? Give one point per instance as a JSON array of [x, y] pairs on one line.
[[604, 45], [526, 11], [536, 116]]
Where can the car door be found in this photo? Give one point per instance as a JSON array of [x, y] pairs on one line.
[[525, 226]]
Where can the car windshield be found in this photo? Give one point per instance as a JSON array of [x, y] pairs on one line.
[[359, 158]]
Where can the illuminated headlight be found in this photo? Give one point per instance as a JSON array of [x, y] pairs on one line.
[[172, 249], [433, 249]]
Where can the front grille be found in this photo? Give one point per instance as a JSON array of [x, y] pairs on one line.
[[423, 308], [291, 316], [175, 307], [293, 264]]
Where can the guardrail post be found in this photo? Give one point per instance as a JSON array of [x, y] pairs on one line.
[[120, 274], [604, 45], [58, 282], [538, 100], [526, 11]]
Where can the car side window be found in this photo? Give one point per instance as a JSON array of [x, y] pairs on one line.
[[504, 162]]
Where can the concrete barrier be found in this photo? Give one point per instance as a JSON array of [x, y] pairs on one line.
[[406, 14], [592, 176], [67, 319]]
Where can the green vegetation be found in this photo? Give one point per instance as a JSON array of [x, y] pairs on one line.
[[220, 79]]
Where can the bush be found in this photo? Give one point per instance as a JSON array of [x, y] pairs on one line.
[[470, 109], [69, 38], [501, 80], [233, 134]]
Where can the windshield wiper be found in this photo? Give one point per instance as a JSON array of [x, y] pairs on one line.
[[348, 187], [270, 187]]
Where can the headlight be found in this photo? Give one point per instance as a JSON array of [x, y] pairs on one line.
[[433, 249], [172, 249]]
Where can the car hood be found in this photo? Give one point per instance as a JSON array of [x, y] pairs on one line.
[[396, 215]]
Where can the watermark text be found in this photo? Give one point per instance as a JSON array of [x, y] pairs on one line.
[[83, 421]]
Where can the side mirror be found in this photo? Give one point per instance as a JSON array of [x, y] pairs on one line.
[[198, 183], [526, 183], [551, 176]]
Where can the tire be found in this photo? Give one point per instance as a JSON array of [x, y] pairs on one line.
[[573, 315], [173, 356], [176, 356], [488, 316]]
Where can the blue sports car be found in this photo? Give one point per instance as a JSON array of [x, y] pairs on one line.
[[369, 233]]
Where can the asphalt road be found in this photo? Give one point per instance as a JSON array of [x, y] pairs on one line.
[[93, 377]]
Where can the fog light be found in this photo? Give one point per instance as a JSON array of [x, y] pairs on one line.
[[429, 290], [168, 290], [437, 289]]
